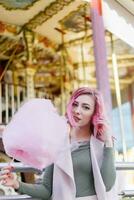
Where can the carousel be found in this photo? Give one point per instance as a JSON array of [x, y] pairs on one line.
[[49, 48]]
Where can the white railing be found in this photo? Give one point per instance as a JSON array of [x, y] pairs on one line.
[[11, 97], [120, 166], [19, 167]]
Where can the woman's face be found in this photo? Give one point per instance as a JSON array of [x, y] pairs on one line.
[[83, 109]]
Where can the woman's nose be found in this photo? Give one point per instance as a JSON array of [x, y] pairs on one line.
[[78, 110]]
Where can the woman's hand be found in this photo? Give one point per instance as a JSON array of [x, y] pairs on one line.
[[108, 142], [7, 178], [108, 139], [104, 133]]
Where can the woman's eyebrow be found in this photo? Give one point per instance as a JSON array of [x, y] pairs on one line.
[[86, 104], [75, 101]]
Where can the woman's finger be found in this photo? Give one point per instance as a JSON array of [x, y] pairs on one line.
[[4, 172], [3, 182], [4, 177], [10, 168]]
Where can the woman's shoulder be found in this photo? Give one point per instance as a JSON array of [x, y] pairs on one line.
[[96, 141]]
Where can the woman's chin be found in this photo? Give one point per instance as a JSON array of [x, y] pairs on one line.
[[78, 125]]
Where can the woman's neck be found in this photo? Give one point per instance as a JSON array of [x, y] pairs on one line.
[[80, 133]]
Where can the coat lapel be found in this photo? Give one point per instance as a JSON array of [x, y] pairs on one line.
[[63, 178], [96, 157]]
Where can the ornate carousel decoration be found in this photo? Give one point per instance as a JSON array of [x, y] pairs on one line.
[[17, 4]]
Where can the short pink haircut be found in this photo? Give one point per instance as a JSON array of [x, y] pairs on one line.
[[99, 121]]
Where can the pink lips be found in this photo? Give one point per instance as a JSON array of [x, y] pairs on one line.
[[77, 119]]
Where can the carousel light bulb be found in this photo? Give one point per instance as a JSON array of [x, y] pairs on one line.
[[87, 0]]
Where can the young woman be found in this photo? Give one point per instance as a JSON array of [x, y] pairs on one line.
[[86, 171]]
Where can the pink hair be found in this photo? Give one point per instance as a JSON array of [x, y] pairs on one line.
[[99, 121]]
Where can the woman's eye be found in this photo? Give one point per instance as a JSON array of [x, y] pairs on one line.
[[86, 108], [74, 104]]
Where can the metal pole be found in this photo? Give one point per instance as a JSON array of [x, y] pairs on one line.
[[12, 99], [100, 53], [6, 104], [63, 71], [118, 98], [1, 103]]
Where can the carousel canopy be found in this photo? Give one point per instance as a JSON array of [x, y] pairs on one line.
[[58, 29]]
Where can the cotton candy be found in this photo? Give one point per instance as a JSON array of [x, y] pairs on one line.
[[36, 134]]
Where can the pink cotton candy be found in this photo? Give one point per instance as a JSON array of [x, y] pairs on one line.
[[36, 134]]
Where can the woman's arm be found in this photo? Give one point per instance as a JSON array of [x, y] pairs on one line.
[[108, 170], [44, 190]]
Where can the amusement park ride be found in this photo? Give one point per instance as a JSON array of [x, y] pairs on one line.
[[47, 50]]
